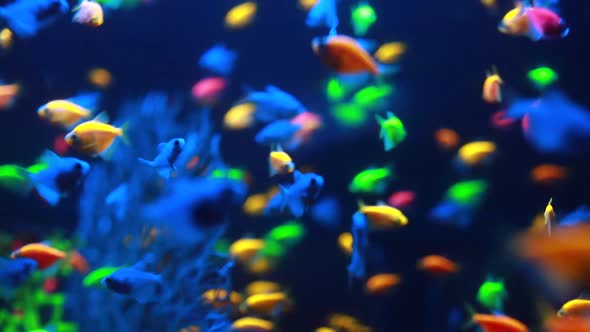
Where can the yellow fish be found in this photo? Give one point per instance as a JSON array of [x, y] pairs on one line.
[[96, 136], [279, 162], [549, 215], [63, 113], [382, 216]]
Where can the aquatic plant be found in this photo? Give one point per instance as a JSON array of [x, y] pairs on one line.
[[120, 231]]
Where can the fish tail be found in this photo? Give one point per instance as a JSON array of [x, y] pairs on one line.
[[124, 136], [145, 162]]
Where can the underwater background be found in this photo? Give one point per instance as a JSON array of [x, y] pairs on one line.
[[152, 51]]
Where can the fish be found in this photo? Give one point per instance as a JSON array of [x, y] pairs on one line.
[[323, 14], [277, 133], [300, 196], [168, 153], [219, 60], [279, 162], [61, 177], [191, 210], [96, 137], [68, 112], [13, 273], [273, 104], [26, 17], [44, 255], [135, 282], [392, 130], [344, 55], [89, 13]]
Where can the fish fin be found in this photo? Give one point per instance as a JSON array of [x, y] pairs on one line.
[[387, 69], [469, 323], [124, 136], [271, 171], [101, 117], [49, 157], [21, 188], [296, 206], [161, 147], [360, 204], [145, 162], [165, 172], [87, 100], [109, 152], [49, 195]]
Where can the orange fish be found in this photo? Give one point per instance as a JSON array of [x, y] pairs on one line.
[[44, 255], [382, 283], [447, 139], [437, 265], [96, 136], [547, 174], [565, 255], [491, 87], [499, 323], [567, 324], [344, 55]]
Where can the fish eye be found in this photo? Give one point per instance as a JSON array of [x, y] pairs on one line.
[[73, 137], [78, 167], [176, 142]]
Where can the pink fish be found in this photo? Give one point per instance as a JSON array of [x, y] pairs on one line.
[[208, 90]]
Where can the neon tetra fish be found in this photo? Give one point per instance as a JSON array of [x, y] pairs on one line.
[[344, 55], [95, 137]]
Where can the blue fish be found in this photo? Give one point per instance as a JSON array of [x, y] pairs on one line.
[[192, 210], [167, 155], [327, 212], [357, 268], [323, 14], [298, 197], [557, 125], [26, 17], [578, 216], [135, 282], [451, 213], [274, 104], [219, 60], [118, 200], [60, 178], [277, 133], [13, 273]]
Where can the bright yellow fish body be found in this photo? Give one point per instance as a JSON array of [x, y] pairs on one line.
[[63, 113]]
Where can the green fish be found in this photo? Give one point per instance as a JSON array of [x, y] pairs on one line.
[[542, 77], [362, 16], [392, 130], [467, 193], [371, 181], [491, 294]]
